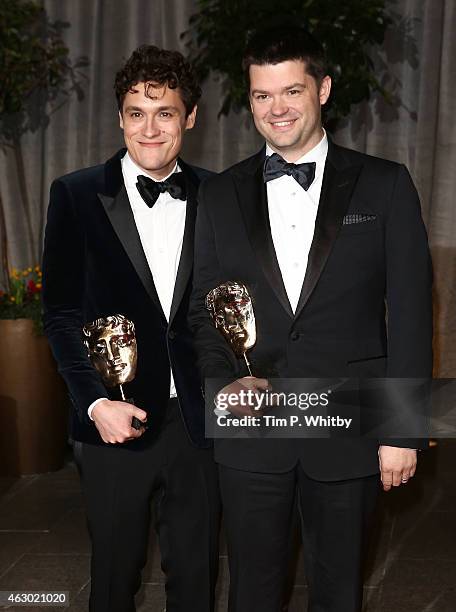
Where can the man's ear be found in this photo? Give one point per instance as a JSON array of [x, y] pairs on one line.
[[121, 121], [325, 89], [190, 121]]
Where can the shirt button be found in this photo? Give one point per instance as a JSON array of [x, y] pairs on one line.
[[293, 193], [294, 336], [293, 227], [295, 265]]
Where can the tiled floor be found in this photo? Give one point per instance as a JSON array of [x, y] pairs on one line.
[[412, 566]]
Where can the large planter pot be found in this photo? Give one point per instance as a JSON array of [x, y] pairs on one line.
[[33, 414]]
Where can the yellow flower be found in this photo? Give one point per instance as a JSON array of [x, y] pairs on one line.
[[12, 298], [37, 268], [38, 285], [40, 274], [29, 270], [25, 272]]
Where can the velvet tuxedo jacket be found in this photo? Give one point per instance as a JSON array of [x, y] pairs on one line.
[[94, 266], [356, 271]]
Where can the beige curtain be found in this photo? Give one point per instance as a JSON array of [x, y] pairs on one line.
[[424, 138], [422, 135]]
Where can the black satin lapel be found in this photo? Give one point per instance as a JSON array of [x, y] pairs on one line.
[[186, 259], [336, 192], [122, 220], [254, 206]]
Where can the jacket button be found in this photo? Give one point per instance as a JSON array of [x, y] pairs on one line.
[[171, 334], [294, 336]]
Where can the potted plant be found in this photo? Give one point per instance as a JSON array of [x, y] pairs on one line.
[[36, 76], [32, 395]]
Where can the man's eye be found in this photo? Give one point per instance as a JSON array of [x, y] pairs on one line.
[[135, 115], [99, 348], [165, 115], [261, 97], [293, 92]]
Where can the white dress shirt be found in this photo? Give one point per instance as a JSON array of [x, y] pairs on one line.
[[161, 230], [292, 214]]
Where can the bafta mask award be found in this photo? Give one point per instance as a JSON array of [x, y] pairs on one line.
[[111, 344], [230, 306]]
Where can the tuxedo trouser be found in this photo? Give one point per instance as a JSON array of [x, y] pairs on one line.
[[335, 517], [119, 485]]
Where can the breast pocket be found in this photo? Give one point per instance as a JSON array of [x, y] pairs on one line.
[[360, 228]]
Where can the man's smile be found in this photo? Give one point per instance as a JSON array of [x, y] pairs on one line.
[[151, 145], [283, 123]]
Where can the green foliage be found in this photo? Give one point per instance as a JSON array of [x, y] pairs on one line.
[[35, 69], [348, 30]]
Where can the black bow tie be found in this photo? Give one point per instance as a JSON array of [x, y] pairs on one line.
[[150, 189], [275, 166]]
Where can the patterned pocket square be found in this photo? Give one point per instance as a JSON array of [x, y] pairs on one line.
[[358, 218]]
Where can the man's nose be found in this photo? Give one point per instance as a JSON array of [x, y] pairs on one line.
[[151, 128], [279, 106]]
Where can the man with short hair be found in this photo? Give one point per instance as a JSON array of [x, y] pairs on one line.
[[323, 237], [119, 241]]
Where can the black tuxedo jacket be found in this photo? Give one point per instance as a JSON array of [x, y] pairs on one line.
[[355, 272], [94, 266]]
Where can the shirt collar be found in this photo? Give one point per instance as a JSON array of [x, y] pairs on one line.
[[131, 171], [317, 154]]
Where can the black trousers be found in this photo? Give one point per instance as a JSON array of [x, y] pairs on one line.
[[119, 485], [258, 512]]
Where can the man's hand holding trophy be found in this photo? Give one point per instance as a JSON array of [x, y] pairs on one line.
[[231, 310], [111, 344]]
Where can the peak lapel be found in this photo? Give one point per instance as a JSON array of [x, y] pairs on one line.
[[119, 212], [336, 191], [254, 207]]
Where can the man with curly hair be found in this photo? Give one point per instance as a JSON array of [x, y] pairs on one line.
[[119, 240]]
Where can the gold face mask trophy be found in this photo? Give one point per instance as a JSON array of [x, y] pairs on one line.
[[230, 306], [111, 343]]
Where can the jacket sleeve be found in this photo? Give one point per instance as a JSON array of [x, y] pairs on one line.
[[64, 266], [409, 313], [215, 357]]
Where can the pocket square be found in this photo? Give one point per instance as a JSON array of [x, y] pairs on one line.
[[358, 218]]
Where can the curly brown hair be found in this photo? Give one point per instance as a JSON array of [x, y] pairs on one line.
[[149, 64]]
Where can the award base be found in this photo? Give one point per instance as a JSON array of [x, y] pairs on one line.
[[135, 422]]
